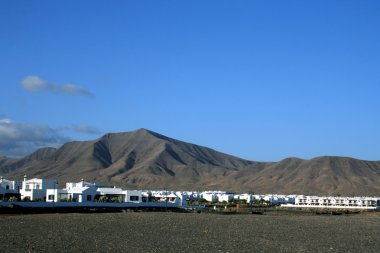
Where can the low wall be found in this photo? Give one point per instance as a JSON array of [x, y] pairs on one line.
[[88, 204]]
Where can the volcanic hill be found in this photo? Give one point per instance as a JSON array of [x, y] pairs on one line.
[[147, 160]]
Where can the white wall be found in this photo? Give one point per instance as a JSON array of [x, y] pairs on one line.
[[135, 193]]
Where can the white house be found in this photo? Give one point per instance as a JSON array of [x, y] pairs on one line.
[[225, 197], [89, 192], [185, 196], [133, 196], [336, 202], [210, 196], [249, 198], [82, 183], [112, 194], [171, 198], [85, 192], [35, 188], [9, 188], [165, 196], [191, 195], [279, 199], [76, 192]]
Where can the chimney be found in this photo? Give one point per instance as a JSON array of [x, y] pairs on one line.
[[25, 178]]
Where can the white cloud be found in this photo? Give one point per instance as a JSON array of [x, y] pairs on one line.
[[21, 139], [72, 89], [35, 84], [5, 121], [83, 128]]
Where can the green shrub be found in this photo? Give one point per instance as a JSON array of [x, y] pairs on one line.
[[103, 199], [118, 199], [12, 199]]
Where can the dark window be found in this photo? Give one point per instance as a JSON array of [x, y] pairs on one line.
[[51, 197], [7, 187], [134, 198], [89, 197]]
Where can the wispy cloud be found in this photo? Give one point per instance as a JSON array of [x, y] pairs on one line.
[[18, 140], [36, 84], [83, 128]]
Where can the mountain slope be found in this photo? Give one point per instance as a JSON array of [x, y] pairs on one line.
[[321, 175], [145, 159], [136, 159]]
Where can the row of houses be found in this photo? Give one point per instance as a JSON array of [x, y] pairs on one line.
[[335, 202], [47, 190], [221, 196]]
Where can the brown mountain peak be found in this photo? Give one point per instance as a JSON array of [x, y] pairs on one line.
[[146, 159]]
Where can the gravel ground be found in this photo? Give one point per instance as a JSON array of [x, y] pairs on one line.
[[189, 232]]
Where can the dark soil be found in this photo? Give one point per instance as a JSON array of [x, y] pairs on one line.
[[189, 232]]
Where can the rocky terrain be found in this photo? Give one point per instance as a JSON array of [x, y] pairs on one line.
[[147, 160], [189, 232]]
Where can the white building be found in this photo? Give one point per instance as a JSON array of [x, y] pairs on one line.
[[111, 194], [133, 196], [9, 188], [165, 196], [90, 192], [225, 197], [74, 192], [282, 199], [336, 202], [191, 195], [82, 183], [249, 198], [210, 196], [35, 188], [276, 199]]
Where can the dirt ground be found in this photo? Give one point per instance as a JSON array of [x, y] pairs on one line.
[[189, 232]]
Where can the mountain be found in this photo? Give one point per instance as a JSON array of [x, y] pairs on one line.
[[322, 175], [147, 160]]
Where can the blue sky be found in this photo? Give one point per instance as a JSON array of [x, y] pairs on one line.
[[262, 80]]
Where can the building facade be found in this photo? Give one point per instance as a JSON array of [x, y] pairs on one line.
[[35, 188]]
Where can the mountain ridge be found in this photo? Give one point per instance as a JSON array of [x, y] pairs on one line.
[[149, 160]]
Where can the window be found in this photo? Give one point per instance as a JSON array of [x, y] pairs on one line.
[[38, 187], [7, 187], [89, 197], [51, 197], [134, 198], [27, 187]]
